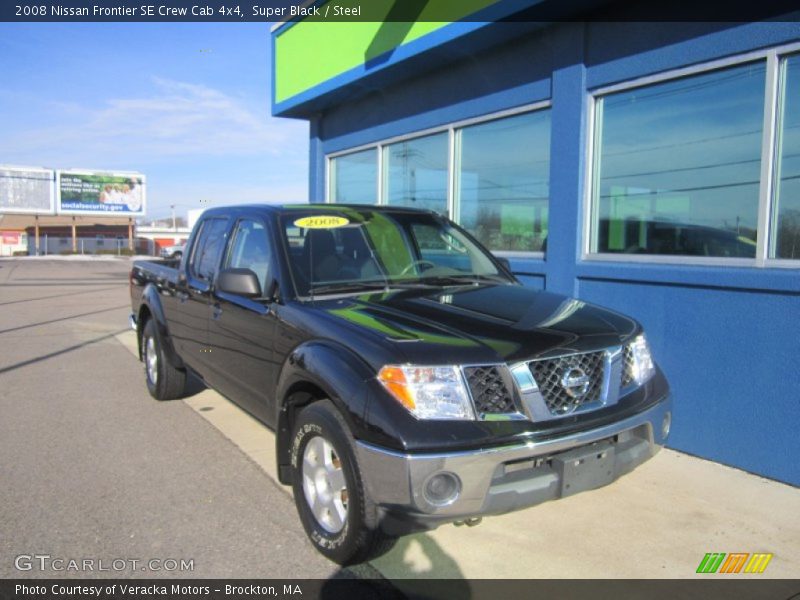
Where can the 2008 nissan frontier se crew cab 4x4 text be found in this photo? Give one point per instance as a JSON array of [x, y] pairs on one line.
[[410, 379]]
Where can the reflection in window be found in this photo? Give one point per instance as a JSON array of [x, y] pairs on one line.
[[678, 165], [787, 232], [354, 177], [415, 173], [503, 181], [440, 248]]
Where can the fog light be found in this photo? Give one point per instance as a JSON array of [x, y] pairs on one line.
[[442, 489], [665, 425]]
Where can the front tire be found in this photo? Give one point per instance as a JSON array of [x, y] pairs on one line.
[[164, 382], [339, 517]]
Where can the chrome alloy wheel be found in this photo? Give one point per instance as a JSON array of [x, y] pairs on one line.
[[324, 485], [151, 359]]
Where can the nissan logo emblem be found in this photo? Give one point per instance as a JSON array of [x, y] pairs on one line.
[[575, 382]]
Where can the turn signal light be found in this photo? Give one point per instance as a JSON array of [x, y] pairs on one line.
[[395, 381], [430, 392]]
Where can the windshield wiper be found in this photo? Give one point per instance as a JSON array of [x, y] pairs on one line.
[[465, 279], [357, 286], [423, 282], [348, 286]]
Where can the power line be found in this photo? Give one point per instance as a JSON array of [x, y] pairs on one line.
[[691, 189], [671, 88]]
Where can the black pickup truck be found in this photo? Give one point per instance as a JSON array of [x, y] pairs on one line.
[[410, 379]]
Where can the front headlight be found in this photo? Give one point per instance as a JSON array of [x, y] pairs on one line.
[[429, 392], [641, 364]]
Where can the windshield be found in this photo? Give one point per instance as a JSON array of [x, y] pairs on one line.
[[350, 250]]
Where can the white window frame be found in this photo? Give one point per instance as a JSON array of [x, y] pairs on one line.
[[453, 160], [774, 59], [780, 90]]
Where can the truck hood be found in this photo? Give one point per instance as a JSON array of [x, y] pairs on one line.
[[479, 324]]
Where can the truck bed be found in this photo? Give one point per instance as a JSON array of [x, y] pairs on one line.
[[163, 273], [164, 268]]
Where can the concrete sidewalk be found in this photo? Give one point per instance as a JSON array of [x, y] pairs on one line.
[[657, 522]]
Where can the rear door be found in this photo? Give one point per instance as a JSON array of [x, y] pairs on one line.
[[242, 330], [190, 330]]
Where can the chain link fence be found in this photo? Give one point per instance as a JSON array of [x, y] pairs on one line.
[[49, 244]]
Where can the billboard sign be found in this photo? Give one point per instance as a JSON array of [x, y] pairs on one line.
[[28, 190], [88, 193]]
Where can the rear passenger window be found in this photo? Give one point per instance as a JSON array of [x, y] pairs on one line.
[[208, 249]]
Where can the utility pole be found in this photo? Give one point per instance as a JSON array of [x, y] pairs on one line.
[[174, 226]]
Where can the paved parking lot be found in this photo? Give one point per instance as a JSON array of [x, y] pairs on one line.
[[94, 468]]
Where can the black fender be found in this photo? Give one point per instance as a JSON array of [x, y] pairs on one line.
[[317, 366], [151, 300]]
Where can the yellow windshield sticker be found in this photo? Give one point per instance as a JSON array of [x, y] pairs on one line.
[[321, 222]]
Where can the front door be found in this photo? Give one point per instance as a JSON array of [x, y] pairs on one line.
[[241, 330]]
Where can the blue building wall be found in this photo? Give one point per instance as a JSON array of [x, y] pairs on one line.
[[728, 338]]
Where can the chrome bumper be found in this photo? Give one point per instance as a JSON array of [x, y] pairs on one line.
[[507, 478]]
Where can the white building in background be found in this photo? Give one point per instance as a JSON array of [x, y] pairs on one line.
[[162, 236]]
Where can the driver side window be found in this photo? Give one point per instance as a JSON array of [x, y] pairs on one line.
[[250, 250]]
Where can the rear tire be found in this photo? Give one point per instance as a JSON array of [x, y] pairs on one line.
[[164, 381], [338, 515]]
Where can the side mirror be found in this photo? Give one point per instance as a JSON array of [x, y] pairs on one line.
[[242, 282], [505, 262]]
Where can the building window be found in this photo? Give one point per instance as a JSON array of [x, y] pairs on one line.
[[503, 181], [677, 166], [354, 178], [500, 169], [787, 190], [415, 172]]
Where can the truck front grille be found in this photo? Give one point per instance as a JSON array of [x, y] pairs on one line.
[[559, 380], [489, 392]]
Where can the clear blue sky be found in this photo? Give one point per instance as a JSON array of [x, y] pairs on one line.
[[186, 104]]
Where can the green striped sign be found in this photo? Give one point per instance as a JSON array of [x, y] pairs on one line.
[[735, 562]]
